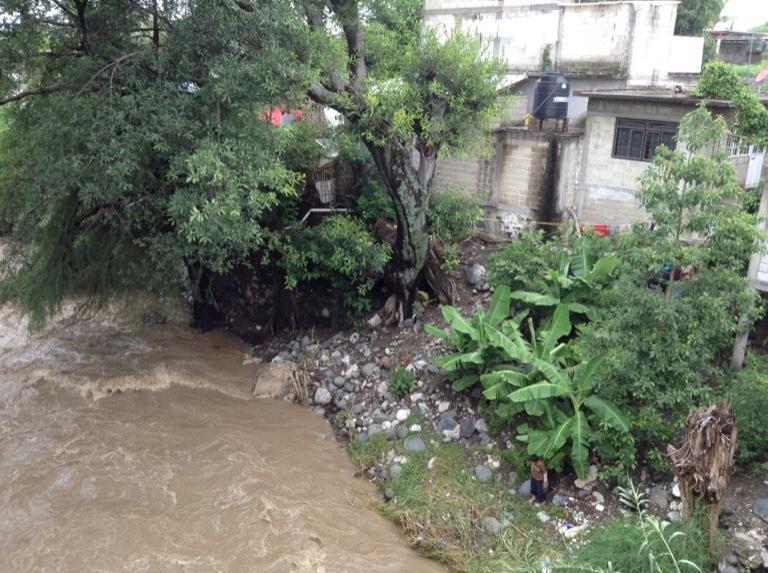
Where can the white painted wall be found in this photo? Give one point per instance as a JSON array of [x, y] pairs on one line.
[[632, 39], [685, 55]]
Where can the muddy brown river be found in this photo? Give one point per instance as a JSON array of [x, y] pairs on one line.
[[143, 452]]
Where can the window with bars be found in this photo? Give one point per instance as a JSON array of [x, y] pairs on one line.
[[638, 139]]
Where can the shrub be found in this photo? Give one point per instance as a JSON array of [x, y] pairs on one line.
[[721, 80], [519, 264], [660, 351], [374, 203], [453, 216], [340, 250], [748, 394], [400, 381]]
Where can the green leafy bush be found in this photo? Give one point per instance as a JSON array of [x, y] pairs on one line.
[[340, 250], [748, 394], [721, 80], [519, 264], [574, 281], [532, 376], [400, 381], [374, 203], [453, 216]]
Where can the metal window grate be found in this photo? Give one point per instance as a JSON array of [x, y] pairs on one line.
[[638, 139]]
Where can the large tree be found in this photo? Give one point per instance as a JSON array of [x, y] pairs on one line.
[[136, 141], [409, 93], [695, 16]]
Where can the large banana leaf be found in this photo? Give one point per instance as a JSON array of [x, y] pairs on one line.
[[459, 323], [602, 269], [534, 298], [584, 376], [453, 362], [534, 407], [513, 345], [559, 326], [539, 391], [463, 382], [498, 309], [551, 372], [440, 333], [581, 435], [608, 412], [558, 437], [538, 442], [500, 383]]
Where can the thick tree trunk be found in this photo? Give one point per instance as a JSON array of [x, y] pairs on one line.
[[407, 172]]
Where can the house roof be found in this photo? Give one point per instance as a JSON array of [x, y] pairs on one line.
[[661, 96]]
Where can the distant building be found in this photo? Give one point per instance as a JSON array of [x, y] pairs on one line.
[[739, 47], [601, 45]]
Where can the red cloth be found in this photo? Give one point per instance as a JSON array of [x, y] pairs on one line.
[[275, 116]]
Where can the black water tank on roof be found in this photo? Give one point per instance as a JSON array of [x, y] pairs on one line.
[[550, 96]]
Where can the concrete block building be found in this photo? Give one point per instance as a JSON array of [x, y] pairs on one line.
[[629, 76]]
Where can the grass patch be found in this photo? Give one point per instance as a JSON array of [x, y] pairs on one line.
[[368, 453], [621, 544], [442, 511]]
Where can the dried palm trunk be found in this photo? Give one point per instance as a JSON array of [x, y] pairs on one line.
[[705, 461]]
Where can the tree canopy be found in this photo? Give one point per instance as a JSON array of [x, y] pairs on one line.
[[695, 16], [138, 151]]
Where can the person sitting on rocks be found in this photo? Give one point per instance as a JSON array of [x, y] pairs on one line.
[[539, 480]]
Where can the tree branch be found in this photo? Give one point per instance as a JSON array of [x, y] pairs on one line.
[[42, 90], [349, 17]]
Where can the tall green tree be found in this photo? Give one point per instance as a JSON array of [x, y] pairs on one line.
[[137, 150], [136, 141], [410, 94], [695, 16]]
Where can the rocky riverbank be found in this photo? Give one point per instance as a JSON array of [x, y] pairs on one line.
[[375, 383]]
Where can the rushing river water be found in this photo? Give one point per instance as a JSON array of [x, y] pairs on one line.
[[143, 452]]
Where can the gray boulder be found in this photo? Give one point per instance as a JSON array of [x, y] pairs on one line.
[[525, 488], [415, 444], [760, 507], [476, 275], [560, 500], [323, 396], [658, 496], [483, 473], [491, 525], [467, 428]]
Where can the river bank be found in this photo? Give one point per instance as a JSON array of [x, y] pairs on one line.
[[454, 484]]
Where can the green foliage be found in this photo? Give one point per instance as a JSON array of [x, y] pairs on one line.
[[553, 391], [747, 392], [451, 258], [695, 16], [453, 216], [531, 376], [150, 153], [340, 250], [476, 349], [400, 381], [720, 80], [662, 340], [518, 265], [688, 193], [578, 276], [414, 79], [374, 203]]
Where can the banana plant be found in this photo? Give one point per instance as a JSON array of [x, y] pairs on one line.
[[572, 409], [577, 277], [476, 352]]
